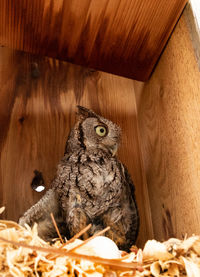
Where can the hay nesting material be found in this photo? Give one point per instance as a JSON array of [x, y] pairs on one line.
[[24, 253]]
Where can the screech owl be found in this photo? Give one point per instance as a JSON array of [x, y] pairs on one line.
[[91, 186]]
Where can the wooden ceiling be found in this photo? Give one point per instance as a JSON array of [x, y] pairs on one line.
[[124, 37]]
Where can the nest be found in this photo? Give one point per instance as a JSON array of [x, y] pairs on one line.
[[24, 253]]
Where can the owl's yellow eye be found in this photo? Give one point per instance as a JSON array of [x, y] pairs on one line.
[[101, 131]]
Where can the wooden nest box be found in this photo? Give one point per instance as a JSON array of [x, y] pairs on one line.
[[159, 113]]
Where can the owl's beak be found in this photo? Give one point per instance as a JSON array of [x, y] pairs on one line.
[[113, 149]]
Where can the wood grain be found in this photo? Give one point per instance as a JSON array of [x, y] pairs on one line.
[[38, 98], [123, 37], [169, 124]]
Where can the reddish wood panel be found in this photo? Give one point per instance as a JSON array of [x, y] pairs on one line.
[[169, 121], [123, 37], [38, 98]]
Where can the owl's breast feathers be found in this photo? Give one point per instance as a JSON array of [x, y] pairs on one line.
[[92, 179]]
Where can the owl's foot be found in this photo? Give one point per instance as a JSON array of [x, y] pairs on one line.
[[119, 228]]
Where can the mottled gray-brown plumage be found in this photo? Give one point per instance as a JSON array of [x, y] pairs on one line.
[[91, 186]]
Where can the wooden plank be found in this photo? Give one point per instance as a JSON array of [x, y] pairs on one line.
[[169, 123], [193, 22], [38, 98], [121, 37]]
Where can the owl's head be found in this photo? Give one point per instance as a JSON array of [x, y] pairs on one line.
[[92, 131]]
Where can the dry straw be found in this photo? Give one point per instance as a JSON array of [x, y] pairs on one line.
[[24, 253]]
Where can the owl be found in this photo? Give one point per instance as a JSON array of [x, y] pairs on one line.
[[91, 186]]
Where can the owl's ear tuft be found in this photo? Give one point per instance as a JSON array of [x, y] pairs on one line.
[[85, 113]]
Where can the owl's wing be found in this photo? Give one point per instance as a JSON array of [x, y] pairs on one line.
[[41, 213], [131, 195], [62, 181], [129, 180]]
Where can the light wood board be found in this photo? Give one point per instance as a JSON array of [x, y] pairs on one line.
[[169, 124]]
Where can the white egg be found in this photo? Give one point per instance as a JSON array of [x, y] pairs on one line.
[[100, 246]]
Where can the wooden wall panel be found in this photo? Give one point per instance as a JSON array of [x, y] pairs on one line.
[[124, 37], [38, 98], [169, 124]]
